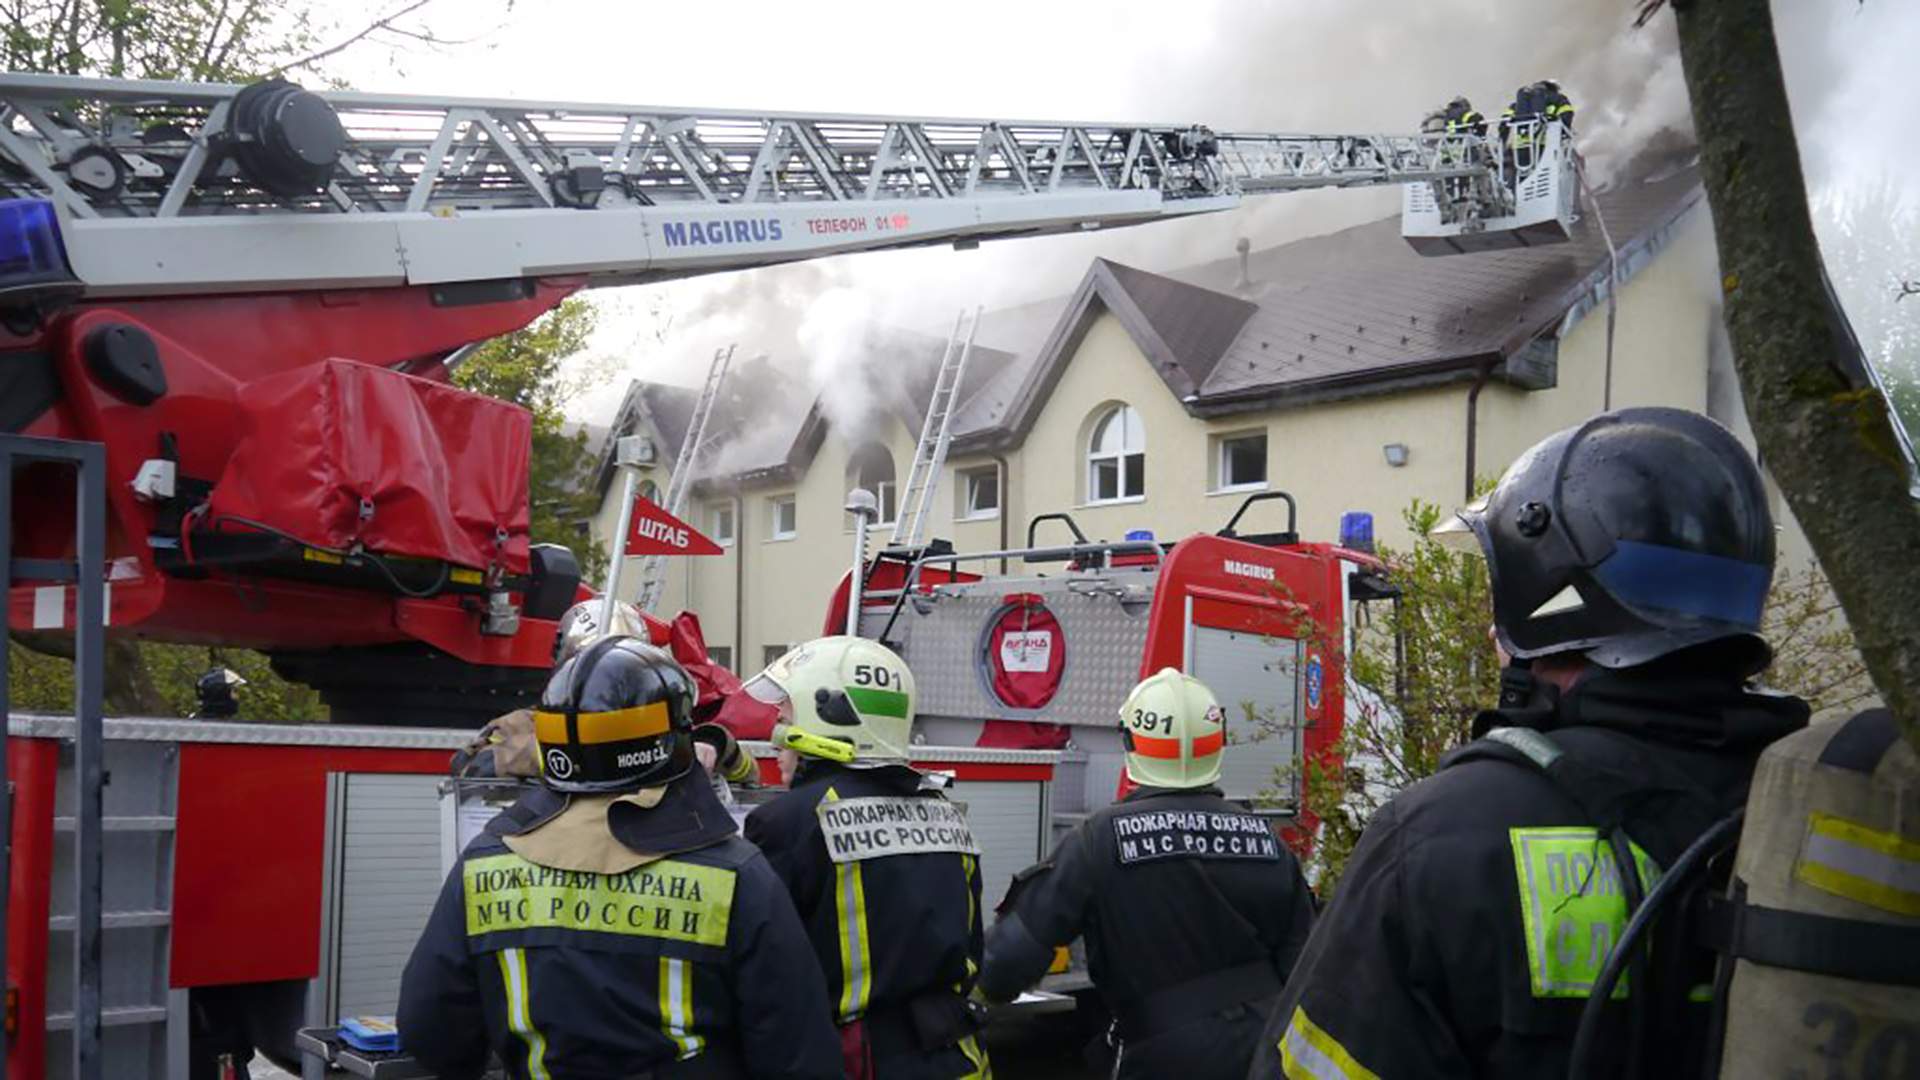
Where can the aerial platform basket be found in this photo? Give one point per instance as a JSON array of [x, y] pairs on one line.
[[1530, 197]]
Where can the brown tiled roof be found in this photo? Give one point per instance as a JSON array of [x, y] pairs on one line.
[[1354, 311]]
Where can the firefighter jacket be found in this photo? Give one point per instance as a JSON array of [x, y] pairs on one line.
[[886, 877], [1481, 903], [1534, 104], [1465, 121], [684, 962], [1193, 913]]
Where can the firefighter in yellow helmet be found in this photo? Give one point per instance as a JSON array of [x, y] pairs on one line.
[[1192, 909], [882, 867]]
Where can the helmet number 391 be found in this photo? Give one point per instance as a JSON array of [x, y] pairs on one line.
[[1147, 721]]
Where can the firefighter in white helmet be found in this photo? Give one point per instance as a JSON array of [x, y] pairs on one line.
[[1192, 909], [882, 866]]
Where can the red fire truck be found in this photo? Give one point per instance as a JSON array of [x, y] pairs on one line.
[[229, 316]]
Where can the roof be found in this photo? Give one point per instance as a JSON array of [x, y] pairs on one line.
[[1356, 311]]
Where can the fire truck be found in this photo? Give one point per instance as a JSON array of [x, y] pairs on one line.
[[230, 316]]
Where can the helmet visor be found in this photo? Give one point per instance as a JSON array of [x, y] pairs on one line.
[[763, 689], [1457, 532]]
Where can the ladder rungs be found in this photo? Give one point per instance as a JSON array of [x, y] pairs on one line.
[[122, 823], [112, 920], [121, 1016]]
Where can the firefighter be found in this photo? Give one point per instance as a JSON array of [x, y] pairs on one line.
[[1192, 909], [612, 923], [881, 865], [1630, 558], [1463, 119]]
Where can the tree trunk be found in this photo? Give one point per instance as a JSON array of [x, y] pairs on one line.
[[1826, 441], [126, 686]]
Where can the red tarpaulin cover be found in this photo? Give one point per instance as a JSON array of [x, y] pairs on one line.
[[444, 470], [1026, 653]]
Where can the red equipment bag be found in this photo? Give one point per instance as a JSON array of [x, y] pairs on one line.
[[1025, 655], [342, 453]]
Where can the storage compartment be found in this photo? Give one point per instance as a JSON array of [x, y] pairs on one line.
[[343, 453]]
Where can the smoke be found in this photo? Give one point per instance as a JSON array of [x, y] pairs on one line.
[[1300, 65]]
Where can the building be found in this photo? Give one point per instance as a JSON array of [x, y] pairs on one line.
[[1345, 369]]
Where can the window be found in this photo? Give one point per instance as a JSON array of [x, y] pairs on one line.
[[1242, 464], [871, 468], [1117, 457], [720, 525], [650, 491], [722, 655], [782, 518], [770, 653], [979, 493]]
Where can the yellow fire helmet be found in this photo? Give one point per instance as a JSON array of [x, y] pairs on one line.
[[841, 699], [1174, 731]]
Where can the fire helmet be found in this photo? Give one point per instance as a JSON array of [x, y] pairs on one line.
[[1636, 534], [840, 698], [581, 626], [1174, 731], [616, 716]]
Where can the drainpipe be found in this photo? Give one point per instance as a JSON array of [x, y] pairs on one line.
[[739, 582], [1006, 506], [1473, 422]]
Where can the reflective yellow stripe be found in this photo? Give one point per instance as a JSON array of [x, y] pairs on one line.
[[856, 960], [1308, 1053], [982, 1068], [513, 973], [1863, 864], [676, 1006]]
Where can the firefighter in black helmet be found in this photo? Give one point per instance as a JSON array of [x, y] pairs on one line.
[[612, 923], [1192, 909], [1630, 559]]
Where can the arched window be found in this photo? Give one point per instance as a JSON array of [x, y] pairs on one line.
[[1117, 456], [871, 467]]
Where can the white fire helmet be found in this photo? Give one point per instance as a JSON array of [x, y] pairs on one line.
[[580, 627], [1174, 731], [841, 699]]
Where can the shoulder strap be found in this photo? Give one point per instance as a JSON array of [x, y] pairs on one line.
[[1861, 742]]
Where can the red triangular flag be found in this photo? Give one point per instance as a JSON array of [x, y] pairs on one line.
[[656, 532]]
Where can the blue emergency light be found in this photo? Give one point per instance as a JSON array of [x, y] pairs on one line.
[[1140, 536], [32, 258], [1356, 530]]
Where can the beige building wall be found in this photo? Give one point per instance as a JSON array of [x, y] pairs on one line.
[[1329, 456]]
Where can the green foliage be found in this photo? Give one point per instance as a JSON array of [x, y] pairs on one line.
[[157, 680], [524, 367], [199, 40]]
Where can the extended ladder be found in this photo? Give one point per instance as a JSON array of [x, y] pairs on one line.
[[653, 571], [168, 187], [930, 456]]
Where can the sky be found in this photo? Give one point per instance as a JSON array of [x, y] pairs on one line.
[[1324, 66]]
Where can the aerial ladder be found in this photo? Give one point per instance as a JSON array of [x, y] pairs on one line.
[[238, 290], [653, 568]]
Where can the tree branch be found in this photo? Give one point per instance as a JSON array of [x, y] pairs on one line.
[[1907, 288], [1830, 444], [385, 22]]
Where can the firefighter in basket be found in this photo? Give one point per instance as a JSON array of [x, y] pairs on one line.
[[882, 866], [1192, 909], [612, 923], [1630, 558]]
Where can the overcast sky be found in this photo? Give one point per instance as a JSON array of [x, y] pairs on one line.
[[1304, 65]]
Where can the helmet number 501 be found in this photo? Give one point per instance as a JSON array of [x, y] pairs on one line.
[[874, 675]]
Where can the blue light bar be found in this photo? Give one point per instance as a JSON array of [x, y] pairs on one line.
[[1356, 530], [31, 253]]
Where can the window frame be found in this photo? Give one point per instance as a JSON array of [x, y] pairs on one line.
[[967, 479], [1119, 459], [1221, 458], [714, 513], [774, 503], [716, 652]]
